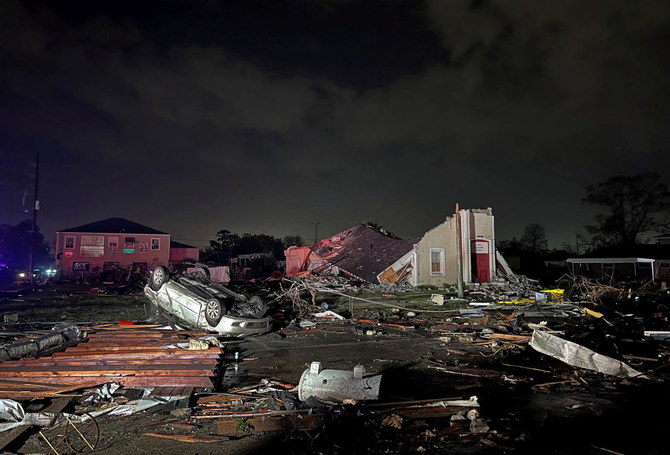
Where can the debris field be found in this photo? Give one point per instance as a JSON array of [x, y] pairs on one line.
[[510, 368]]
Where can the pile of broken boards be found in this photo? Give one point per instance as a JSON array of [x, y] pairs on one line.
[[335, 426], [65, 386], [72, 376]]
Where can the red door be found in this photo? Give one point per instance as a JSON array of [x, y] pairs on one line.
[[481, 250]]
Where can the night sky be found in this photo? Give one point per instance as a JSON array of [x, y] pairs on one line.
[[264, 116]]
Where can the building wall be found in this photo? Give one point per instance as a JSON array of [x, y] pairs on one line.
[[296, 257], [87, 252], [475, 224], [184, 254], [443, 237]]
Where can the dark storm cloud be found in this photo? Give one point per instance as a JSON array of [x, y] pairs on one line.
[[263, 116]]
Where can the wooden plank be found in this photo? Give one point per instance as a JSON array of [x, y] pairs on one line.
[[219, 398], [183, 353], [147, 381], [105, 373], [430, 412], [135, 381], [92, 361], [118, 347], [268, 424], [4, 372], [197, 438]]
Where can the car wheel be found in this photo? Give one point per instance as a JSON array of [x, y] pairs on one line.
[[258, 307], [159, 276], [213, 312]]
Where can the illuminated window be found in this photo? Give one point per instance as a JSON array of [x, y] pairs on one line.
[[113, 242], [92, 246], [437, 261], [81, 266], [155, 244], [69, 242]]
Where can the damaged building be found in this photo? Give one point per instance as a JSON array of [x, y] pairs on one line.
[[359, 253], [364, 253], [434, 259]]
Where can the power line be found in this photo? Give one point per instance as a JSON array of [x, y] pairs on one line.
[[316, 230]]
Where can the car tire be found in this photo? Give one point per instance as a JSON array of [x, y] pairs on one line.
[[213, 312], [258, 307], [159, 276]]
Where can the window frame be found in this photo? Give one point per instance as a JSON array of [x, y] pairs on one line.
[[74, 242], [441, 261], [77, 266]]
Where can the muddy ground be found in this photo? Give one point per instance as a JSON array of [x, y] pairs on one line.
[[590, 414]]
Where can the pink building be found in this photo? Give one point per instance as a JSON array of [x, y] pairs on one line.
[[108, 245], [180, 252]]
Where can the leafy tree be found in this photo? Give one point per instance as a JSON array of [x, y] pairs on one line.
[[260, 243], [225, 241], [16, 243], [534, 239], [512, 246], [634, 205], [228, 245]]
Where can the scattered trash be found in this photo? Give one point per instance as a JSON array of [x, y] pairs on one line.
[[393, 421], [437, 299], [329, 314], [581, 357]]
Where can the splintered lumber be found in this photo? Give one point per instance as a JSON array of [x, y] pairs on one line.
[[202, 438], [134, 381], [269, 423], [209, 361], [133, 358], [222, 398], [395, 325], [432, 412], [93, 371], [27, 389], [510, 338], [147, 354], [172, 392]]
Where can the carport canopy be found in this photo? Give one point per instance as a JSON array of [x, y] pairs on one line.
[[614, 261]]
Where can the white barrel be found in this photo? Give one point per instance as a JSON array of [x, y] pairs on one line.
[[338, 385]]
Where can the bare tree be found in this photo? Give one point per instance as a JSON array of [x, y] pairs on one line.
[[634, 205], [534, 239]]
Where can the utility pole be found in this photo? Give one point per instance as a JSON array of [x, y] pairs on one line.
[[33, 232], [577, 243], [459, 252], [316, 231]]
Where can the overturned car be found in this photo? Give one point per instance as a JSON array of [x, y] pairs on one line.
[[200, 304]]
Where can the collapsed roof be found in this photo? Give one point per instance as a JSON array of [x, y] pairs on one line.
[[360, 253]]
